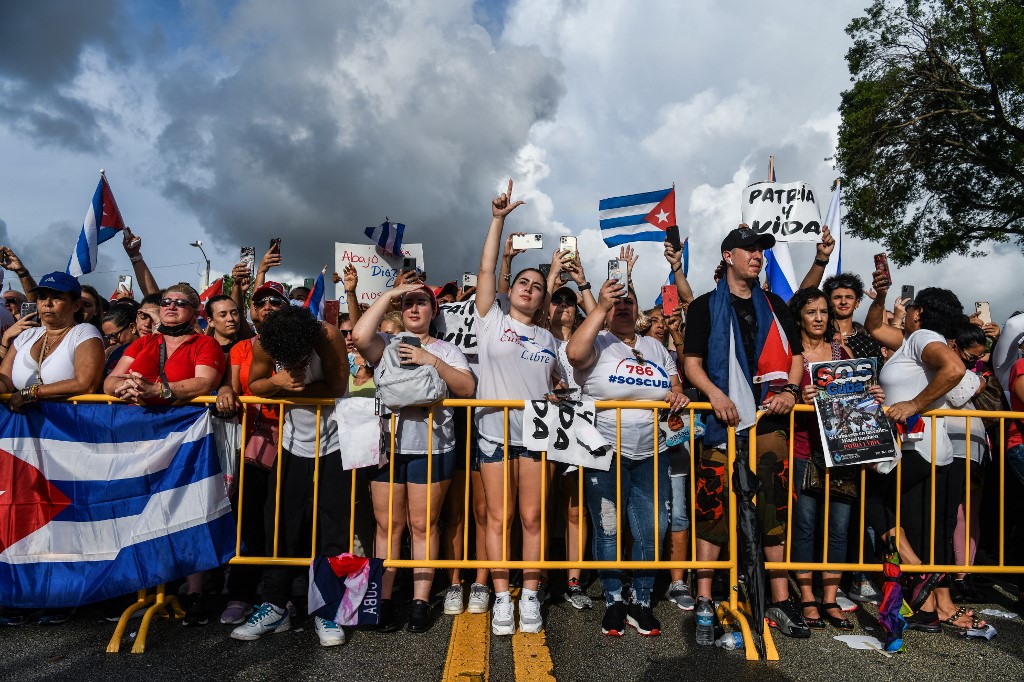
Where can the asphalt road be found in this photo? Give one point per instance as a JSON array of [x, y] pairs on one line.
[[579, 651]]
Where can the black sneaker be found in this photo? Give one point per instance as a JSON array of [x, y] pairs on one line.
[[195, 610], [419, 616], [614, 623], [786, 617], [924, 621], [387, 621], [642, 619]]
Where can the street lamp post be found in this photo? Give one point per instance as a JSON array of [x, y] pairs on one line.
[[199, 245]]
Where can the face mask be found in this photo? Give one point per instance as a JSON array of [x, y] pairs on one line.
[[176, 330]]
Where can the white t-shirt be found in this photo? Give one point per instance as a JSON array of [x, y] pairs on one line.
[[903, 377], [619, 375], [411, 438], [299, 433], [59, 364], [516, 363]]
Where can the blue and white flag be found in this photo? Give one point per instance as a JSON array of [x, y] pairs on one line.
[[102, 222], [388, 236], [98, 501], [834, 220], [317, 296], [637, 217]]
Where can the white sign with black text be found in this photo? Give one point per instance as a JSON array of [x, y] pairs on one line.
[[377, 271], [786, 210], [567, 432]]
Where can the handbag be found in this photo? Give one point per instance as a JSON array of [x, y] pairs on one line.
[[843, 485], [399, 387], [261, 445]]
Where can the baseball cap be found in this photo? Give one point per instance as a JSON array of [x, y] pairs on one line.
[[59, 281], [433, 298], [745, 236], [565, 291], [269, 289], [449, 287]]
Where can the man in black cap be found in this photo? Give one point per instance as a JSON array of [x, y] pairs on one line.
[[743, 351]]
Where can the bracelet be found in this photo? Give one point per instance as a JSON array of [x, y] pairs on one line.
[[136, 259], [793, 390], [507, 277], [822, 263], [5, 346], [677, 269], [437, 362], [584, 287]]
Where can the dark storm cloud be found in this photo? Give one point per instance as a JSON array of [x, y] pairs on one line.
[[41, 48], [312, 125]]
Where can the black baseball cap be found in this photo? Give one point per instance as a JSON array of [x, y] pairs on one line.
[[745, 236]]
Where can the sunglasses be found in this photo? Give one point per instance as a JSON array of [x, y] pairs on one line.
[[563, 300], [175, 303], [272, 301], [968, 358], [346, 332]]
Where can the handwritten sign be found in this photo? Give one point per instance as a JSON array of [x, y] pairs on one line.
[[567, 432], [787, 211], [376, 270], [457, 322]]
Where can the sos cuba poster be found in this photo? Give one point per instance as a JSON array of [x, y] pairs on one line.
[[854, 429]]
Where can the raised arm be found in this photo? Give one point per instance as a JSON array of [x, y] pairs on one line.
[[271, 259], [10, 261], [821, 256], [501, 206], [350, 280], [364, 332], [580, 350], [133, 247], [675, 261], [242, 282], [505, 273], [874, 322], [578, 275]]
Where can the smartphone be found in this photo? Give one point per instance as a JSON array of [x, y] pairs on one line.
[[907, 292], [468, 280], [545, 269], [412, 341], [982, 308], [527, 241], [275, 244], [882, 265], [309, 282], [133, 240], [672, 232], [408, 265], [124, 282], [248, 256], [28, 308], [332, 308], [567, 244], [618, 270], [669, 299]]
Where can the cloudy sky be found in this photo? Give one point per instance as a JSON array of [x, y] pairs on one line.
[[234, 122]]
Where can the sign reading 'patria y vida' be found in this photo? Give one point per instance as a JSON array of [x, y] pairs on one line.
[[787, 211]]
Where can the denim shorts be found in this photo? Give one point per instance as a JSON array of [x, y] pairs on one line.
[[680, 517], [494, 453], [413, 468]]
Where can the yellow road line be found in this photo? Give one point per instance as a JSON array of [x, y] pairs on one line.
[[532, 657], [468, 649]]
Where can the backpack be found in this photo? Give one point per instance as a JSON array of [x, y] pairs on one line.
[[399, 387]]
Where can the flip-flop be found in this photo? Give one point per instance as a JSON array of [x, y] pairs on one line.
[[960, 613], [923, 589]]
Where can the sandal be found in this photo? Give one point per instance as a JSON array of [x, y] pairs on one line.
[[837, 623], [922, 589], [960, 613], [813, 623]]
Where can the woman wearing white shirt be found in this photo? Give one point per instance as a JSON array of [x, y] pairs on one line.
[[411, 489], [619, 364], [517, 362]]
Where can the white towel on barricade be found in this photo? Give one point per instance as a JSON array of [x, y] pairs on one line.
[[567, 432], [359, 427]]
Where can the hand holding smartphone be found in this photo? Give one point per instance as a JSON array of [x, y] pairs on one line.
[[984, 311], [618, 270], [672, 232], [523, 242], [882, 265], [409, 341], [669, 299], [248, 256], [275, 245]]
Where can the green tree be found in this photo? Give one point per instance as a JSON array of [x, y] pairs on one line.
[[931, 145]]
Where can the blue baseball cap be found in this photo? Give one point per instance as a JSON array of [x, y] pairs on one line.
[[59, 281]]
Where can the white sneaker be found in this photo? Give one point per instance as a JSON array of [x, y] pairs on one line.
[[266, 619], [503, 618], [453, 604], [679, 594], [530, 619], [479, 598], [329, 632]]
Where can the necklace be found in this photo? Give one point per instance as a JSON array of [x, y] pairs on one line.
[[632, 343], [46, 348]]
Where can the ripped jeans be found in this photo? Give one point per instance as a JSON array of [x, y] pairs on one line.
[[638, 506]]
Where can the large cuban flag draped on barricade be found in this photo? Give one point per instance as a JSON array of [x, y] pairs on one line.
[[98, 501]]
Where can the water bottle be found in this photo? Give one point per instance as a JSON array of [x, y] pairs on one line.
[[705, 616], [730, 641]]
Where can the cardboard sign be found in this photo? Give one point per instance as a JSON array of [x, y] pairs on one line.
[[788, 211], [854, 429], [457, 322], [567, 432], [376, 271]]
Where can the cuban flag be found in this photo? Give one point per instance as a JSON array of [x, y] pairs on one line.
[[317, 296], [98, 501], [388, 236], [637, 217], [778, 263], [102, 222]]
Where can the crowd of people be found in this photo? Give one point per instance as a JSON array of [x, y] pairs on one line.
[[555, 335]]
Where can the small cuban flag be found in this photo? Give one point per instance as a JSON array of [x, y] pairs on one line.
[[388, 236], [102, 222], [637, 217], [317, 296]]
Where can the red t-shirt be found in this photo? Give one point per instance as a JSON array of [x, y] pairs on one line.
[[1014, 437], [241, 356], [197, 349]]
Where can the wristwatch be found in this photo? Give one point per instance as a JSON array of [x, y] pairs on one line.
[[584, 287], [165, 391]]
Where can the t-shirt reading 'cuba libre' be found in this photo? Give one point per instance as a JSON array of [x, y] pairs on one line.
[[517, 362], [619, 375]]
